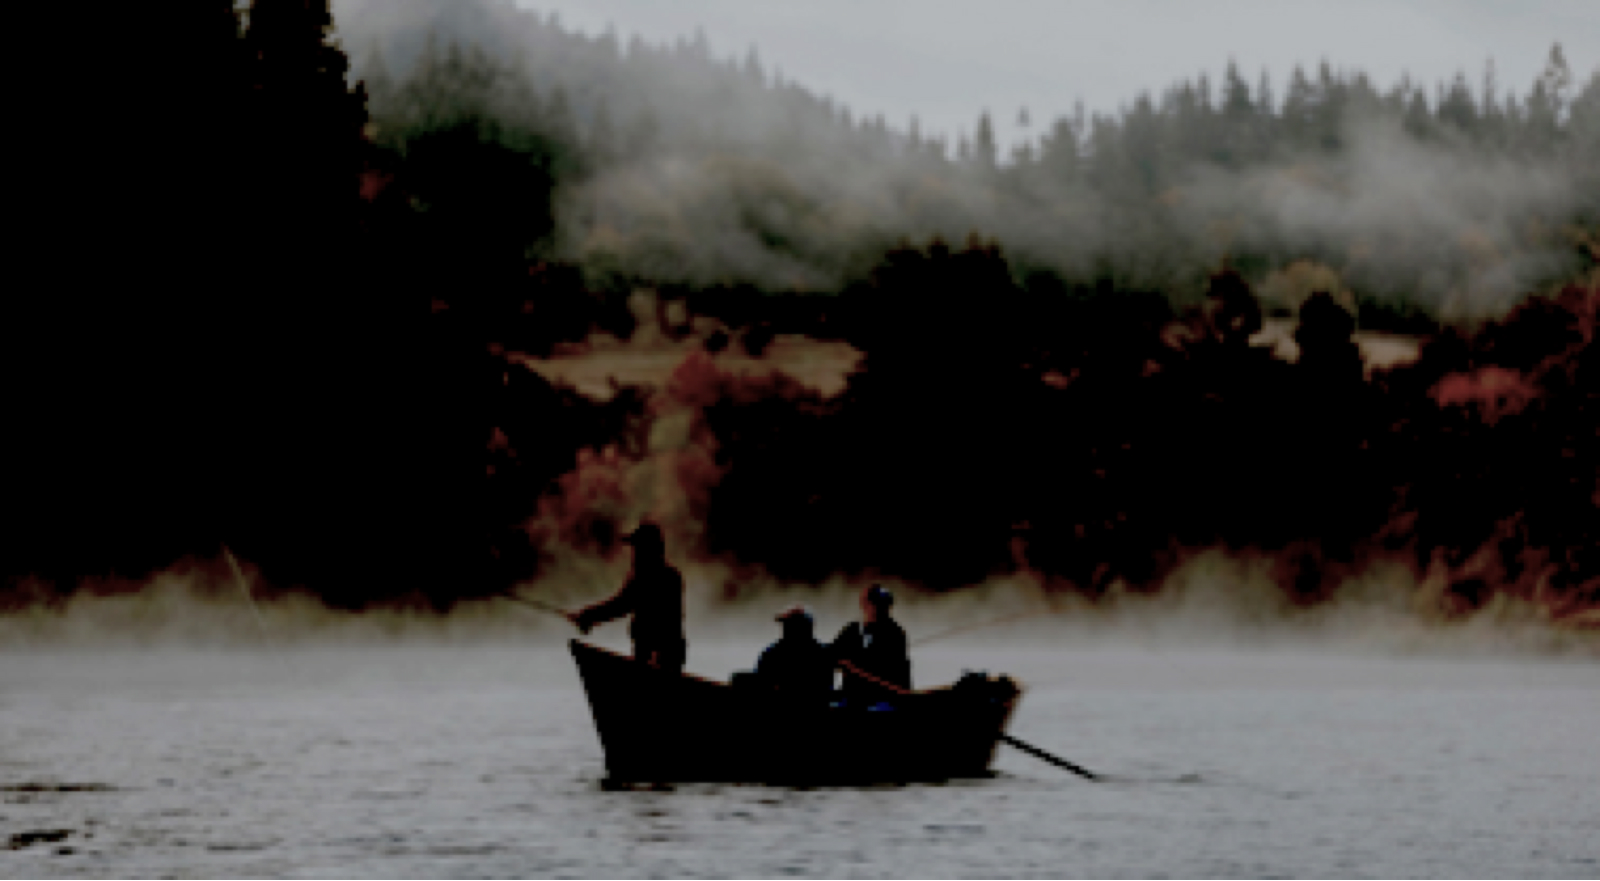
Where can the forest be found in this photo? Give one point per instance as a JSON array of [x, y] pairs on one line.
[[339, 229]]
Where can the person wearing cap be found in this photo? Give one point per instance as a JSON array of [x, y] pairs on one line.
[[653, 595], [873, 652], [797, 665]]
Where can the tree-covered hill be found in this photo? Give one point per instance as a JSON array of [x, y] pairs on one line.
[[690, 168], [315, 247]]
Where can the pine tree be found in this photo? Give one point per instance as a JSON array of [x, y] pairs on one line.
[[1418, 118], [1583, 145], [1266, 118], [296, 376], [1331, 100], [753, 69], [1546, 106], [1584, 123], [1264, 100], [382, 92], [1541, 125], [1363, 99], [305, 126], [1457, 109], [1557, 81], [1299, 109], [1059, 154], [601, 144], [986, 150], [1238, 119], [609, 44], [1491, 126]]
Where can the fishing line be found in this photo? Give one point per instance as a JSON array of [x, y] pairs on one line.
[[244, 588], [255, 610], [965, 628]]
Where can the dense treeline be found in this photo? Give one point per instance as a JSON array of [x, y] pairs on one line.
[[302, 355], [1127, 437], [251, 355]]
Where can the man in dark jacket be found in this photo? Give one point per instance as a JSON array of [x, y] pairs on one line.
[[797, 665], [653, 595], [873, 652]]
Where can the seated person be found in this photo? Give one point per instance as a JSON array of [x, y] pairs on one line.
[[873, 652], [797, 665]]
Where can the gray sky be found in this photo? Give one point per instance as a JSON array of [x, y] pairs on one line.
[[947, 61]]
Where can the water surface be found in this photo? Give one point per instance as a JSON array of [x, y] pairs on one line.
[[482, 762]]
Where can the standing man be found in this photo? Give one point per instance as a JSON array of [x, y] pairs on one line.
[[873, 649], [653, 594]]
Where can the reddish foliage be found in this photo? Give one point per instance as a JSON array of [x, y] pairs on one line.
[[583, 511], [1495, 391]]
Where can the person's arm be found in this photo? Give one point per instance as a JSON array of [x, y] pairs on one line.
[[764, 663], [619, 604], [852, 670], [899, 648], [843, 645]]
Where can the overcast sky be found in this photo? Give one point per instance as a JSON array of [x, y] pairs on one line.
[[947, 61]]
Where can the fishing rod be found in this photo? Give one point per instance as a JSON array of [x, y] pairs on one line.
[[543, 607]]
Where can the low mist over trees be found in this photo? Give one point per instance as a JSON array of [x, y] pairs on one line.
[[334, 247], [1456, 199]]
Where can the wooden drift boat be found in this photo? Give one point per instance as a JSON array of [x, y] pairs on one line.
[[657, 727]]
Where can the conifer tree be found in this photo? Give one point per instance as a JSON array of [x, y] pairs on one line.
[[1059, 154], [985, 149], [1299, 109], [1557, 81], [1458, 110], [1491, 120], [1238, 120], [753, 69], [1584, 122], [1547, 102]]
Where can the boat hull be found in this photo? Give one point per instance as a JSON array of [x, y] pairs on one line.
[[657, 727]]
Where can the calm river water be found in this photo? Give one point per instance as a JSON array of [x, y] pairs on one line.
[[482, 761]]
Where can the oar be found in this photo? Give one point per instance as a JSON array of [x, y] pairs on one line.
[[1052, 759], [1026, 747]]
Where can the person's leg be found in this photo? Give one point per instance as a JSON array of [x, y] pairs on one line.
[[666, 657], [672, 656]]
